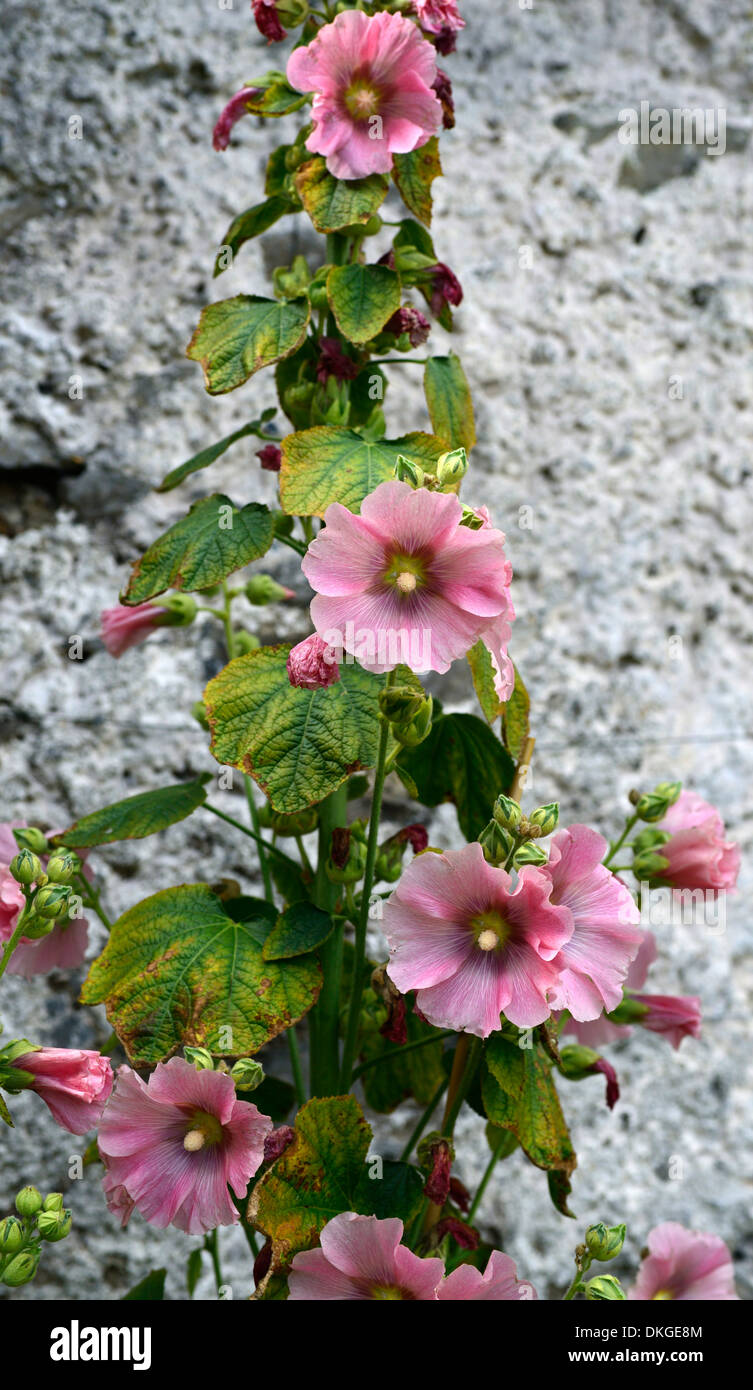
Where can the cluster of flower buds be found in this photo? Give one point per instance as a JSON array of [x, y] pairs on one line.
[[408, 711], [246, 1072], [390, 854], [48, 889], [653, 806], [450, 469], [510, 837], [602, 1243], [39, 1218]]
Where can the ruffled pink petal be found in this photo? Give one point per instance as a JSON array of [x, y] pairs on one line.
[[691, 1266], [363, 1246], [177, 1082], [64, 948], [410, 519], [313, 1278], [498, 1283], [346, 557]]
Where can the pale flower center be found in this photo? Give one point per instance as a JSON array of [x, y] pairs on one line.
[[406, 582], [405, 573], [663, 1294], [389, 1292], [362, 98], [204, 1131], [490, 930]]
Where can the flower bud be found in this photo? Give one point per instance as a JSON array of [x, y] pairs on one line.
[[12, 1235], [52, 900], [546, 816], [291, 13], [283, 524], [577, 1062], [604, 1287], [199, 1057], [529, 853], [435, 1155], [28, 1201], [36, 927], [54, 1225], [247, 1074], [347, 859], [650, 838], [411, 733], [199, 713], [62, 867], [28, 837], [53, 1202], [263, 589], [653, 806], [472, 519], [25, 867], [452, 468], [400, 703], [496, 843], [605, 1242], [21, 1268], [648, 864], [245, 642], [507, 812], [180, 609], [406, 471]]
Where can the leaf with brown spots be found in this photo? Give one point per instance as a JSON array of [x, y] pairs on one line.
[[414, 174], [237, 337]]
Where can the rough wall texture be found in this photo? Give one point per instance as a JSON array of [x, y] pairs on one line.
[[631, 581]]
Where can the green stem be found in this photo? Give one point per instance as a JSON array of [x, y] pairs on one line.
[[455, 1102], [211, 1243], [423, 1120], [465, 1062], [308, 867], [351, 1032], [295, 1062], [91, 899], [481, 1189], [12, 943], [294, 544], [618, 843], [263, 860], [324, 1043], [400, 1051], [271, 849]]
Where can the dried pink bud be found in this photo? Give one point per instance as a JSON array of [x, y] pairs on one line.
[[395, 1029], [277, 1142], [411, 321], [235, 110], [466, 1236], [270, 457], [613, 1088], [268, 20], [445, 287], [439, 1153], [312, 664], [417, 836], [334, 362], [459, 1194], [443, 88]]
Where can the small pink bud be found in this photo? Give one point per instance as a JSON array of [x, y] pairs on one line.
[[312, 665]]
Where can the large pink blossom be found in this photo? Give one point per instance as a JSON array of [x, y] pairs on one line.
[[688, 1266], [125, 627], [406, 582], [499, 1283], [361, 1258], [470, 946], [698, 854], [73, 1084], [674, 1016], [594, 962], [173, 1144], [63, 948], [373, 78]]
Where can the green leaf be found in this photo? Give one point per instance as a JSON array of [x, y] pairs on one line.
[[275, 96], [297, 371], [414, 174], [237, 337], [416, 1074], [178, 969], [193, 1270], [299, 745], [299, 929], [460, 761], [362, 299], [212, 541], [449, 400], [247, 225], [5, 1114], [151, 1289], [482, 671], [136, 817], [515, 718], [324, 1172], [326, 464], [277, 173], [335, 203], [212, 452], [520, 1096]]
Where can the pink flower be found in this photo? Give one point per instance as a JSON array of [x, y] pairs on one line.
[[373, 82], [270, 457], [601, 1030], [688, 1266], [173, 1144], [360, 1258], [676, 1017], [594, 962], [499, 1283], [268, 20], [444, 288], [235, 110], [435, 16], [471, 947], [411, 321], [405, 582], [124, 627], [698, 854], [73, 1084], [312, 664], [63, 948]]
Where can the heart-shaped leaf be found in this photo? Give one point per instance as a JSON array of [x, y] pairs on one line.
[[414, 174], [203, 548], [237, 337], [326, 464], [362, 299], [136, 816], [334, 203]]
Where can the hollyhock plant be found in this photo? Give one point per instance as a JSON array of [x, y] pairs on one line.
[[312, 665], [686, 1266], [172, 1145], [594, 962], [697, 853], [74, 1084], [470, 945], [499, 1283], [406, 582], [372, 77], [361, 1258]]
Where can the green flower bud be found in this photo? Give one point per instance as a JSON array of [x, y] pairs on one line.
[[471, 519], [200, 715], [36, 927], [180, 609], [283, 524], [373, 225], [54, 1225], [546, 816], [318, 297], [25, 867], [288, 822], [400, 703], [263, 589], [62, 867], [247, 1074], [347, 860], [650, 839], [292, 281], [199, 1057], [358, 785], [28, 837], [452, 467], [507, 812], [628, 1011], [52, 901], [53, 1202], [648, 864], [413, 732], [28, 1201], [12, 1235], [21, 1268], [605, 1242], [529, 853], [653, 806], [576, 1062], [496, 842], [409, 472], [604, 1288], [246, 642]]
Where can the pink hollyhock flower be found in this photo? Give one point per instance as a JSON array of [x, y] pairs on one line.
[[469, 946], [73, 1084], [268, 20], [124, 627], [499, 1283], [373, 77], [411, 321], [689, 1266], [360, 1258], [270, 457], [235, 110], [435, 16], [173, 1144], [594, 962], [405, 582], [444, 288], [676, 1017], [698, 854], [312, 664], [601, 1030], [334, 362]]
